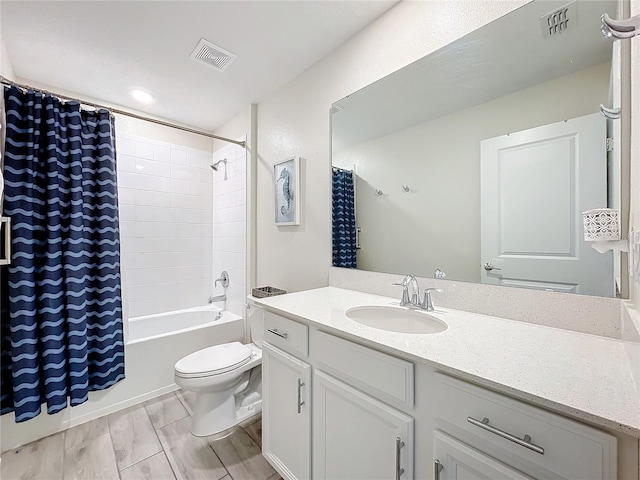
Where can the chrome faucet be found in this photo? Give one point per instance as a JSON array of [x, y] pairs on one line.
[[408, 281], [217, 298], [413, 300], [224, 279], [427, 303]]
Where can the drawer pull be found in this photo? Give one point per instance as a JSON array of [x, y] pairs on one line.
[[399, 469], [437, 468], [300, 401], [276, 332], [523, 442]]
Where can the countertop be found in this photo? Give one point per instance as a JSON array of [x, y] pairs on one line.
[[580, 375]]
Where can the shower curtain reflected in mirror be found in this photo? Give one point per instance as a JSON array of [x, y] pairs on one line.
[[344, 219], [61, 302]]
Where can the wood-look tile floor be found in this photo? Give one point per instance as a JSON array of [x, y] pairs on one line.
[[149, 441]]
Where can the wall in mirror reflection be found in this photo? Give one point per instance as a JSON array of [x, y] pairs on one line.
[[436, 224]]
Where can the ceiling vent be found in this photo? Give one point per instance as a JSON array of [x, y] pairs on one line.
[[212, 55], [559, 21]]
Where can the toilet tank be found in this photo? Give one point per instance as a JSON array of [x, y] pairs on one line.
[[255, 320]]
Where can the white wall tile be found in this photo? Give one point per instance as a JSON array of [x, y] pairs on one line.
[[125, 146], [162, 169], [161, 153], [178, 156], [144, 149], [166, 226]]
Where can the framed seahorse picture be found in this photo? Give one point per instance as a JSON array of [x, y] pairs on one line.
[[286, 182]]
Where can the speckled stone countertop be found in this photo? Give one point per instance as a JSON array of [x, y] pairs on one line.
[[583, 376]]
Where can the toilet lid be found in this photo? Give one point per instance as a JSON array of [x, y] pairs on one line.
[[213, 360]]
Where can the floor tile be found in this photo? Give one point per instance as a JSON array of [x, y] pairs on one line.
[[92, 459], [242, 457], [87, 431], [190, 457], [165, 409], [153, 468], [133, 436], [255, 432], [188, 399], [41, 459]]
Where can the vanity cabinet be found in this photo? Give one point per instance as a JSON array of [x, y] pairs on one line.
[[286, 417], [357, 437], [335, 409], [518, 435], [454, 460]]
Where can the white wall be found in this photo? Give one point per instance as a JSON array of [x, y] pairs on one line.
[[229, 226], [634, 283], [437, 223], [166, 224], [6, 68], [296, 119]]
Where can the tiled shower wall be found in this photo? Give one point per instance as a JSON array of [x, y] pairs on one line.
[[166, 225], [229, 225]]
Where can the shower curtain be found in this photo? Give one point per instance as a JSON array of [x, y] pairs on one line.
[[61, 331], [344, 220]]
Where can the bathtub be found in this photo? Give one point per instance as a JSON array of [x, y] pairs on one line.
[[154, 343]]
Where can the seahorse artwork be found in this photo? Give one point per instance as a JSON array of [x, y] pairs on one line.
[[286, 191]]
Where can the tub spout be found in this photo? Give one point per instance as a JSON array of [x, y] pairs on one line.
[[217, 298]]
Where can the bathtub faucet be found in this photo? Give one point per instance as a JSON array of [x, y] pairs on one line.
[[217, 298], [223, 280]]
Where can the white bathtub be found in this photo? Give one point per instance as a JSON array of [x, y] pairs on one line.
[[154, 343], [178, 322]]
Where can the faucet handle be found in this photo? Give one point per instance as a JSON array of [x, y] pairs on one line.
[[405, 292], [427, 303]]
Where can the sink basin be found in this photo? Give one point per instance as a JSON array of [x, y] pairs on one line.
[[396, 319]]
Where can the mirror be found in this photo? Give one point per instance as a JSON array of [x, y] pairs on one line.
[[480, 158]]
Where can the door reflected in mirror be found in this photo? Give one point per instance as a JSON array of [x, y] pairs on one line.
[[486, 151]]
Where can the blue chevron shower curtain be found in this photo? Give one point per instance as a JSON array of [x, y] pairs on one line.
[[61, 306], [344, 220]]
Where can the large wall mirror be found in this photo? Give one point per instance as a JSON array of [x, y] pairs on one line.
[[479, 159]]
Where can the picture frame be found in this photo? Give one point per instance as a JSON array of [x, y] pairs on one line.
[[286, 187]]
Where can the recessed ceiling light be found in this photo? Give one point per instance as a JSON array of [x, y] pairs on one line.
[[141, 95]]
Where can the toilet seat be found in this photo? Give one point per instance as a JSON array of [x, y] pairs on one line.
[[213, 360]]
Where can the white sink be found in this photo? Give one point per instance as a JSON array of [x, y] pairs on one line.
[[396, 319]]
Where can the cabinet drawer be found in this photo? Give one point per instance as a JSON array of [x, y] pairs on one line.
[[386, 377], [292, 337], [529, 438]]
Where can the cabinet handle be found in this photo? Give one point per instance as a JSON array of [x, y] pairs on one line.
[[399, 470], [276, 332], [437, 468], [523, 442], [300, 401]]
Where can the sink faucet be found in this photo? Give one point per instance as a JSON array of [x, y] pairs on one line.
[[413, 300], [408, 281], [427, 303]]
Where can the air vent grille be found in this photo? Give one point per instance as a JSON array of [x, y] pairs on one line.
[[559, 21], [212, 55]]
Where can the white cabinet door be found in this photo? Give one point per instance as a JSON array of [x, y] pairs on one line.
[[457, 461], [357, 437], [286, 441]]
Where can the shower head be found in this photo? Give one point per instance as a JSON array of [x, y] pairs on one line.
[[216, 165]]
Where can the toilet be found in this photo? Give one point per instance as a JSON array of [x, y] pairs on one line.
[[227, 380]]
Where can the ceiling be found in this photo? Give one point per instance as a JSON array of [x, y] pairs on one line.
[[104, 49], [505, 56]]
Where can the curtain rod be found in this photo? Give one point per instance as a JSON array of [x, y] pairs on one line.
[[6, 81], [342, 169]]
